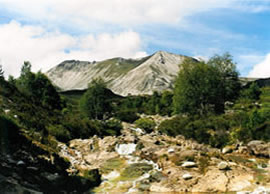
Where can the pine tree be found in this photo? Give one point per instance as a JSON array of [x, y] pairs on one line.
[[1, 72]]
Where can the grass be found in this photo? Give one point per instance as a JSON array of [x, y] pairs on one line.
[[203, 163], [117, 66], [134, 171], [237, 159], [112, 164]]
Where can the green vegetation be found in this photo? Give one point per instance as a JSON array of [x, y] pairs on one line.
[[94, 103], [204, 87], [113, 164], [147, 124], [119, 66], [135, 170]]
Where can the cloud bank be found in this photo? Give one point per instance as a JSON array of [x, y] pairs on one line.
[[126, 12], [262, 69], [44, 49]]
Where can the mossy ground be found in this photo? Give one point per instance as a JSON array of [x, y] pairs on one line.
[[134, 171], [113, 164]]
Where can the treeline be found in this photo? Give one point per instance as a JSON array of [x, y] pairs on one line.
[[31, 102]]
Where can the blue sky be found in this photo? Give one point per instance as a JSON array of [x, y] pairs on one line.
[[48, 32]]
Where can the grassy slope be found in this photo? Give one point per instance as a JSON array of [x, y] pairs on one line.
[[119, 66]]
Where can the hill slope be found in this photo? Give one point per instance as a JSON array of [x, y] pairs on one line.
[[123, 76]]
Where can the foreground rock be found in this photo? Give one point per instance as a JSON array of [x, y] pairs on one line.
[[135, 162], [29, 167]]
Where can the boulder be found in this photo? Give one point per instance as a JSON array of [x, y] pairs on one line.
[[223, 165], [187, 176], [20, 163], [212, 182], [170, 150], [242, 150], [228, 149], [259, 148]]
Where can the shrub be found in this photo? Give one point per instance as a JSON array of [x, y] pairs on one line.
[[112, 127], [127, 115], [175, 126], [262, 132], [59, 132], [147, 124]]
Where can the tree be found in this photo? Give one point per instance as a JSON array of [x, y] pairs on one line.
[[95, 103], [1, 72], [38, 87], [196, 88], [205, 86], [166, 103], [253, 92], [42, 89], [229, 80], [26, 68], [26, 79]]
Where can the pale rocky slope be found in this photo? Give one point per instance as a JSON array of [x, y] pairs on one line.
[[123, 76]]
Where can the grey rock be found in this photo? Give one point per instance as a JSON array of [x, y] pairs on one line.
[[187, 176], [20, 163], [223, 165], [259, 148], [228, 149]]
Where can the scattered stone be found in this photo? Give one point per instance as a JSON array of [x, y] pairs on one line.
[[228, 149], [223, 165], [31, 168], [252, 160], [232, 164], [20, 163], [137, 130], [187, 176], [189, 164], [242, 150], [170, 150]]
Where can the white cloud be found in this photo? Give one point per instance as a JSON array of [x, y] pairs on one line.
[[127, 12], [262, 69], [46, 49]]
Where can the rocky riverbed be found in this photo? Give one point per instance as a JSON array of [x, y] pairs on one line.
[[136, 162]]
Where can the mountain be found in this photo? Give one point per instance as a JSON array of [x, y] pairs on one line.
[[123, 76]]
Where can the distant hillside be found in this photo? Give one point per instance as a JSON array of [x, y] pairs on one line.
[[263, 82], [123, 76]]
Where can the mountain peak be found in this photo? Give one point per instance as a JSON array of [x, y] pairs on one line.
[[123, 76]]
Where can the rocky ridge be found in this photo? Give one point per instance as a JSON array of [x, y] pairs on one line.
[[123, 76]]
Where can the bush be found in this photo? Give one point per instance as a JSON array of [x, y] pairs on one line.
[[262, 132], [175, 126], [59, 132], [147, 124], [212, 130], [112, 127], [127, 115], [252, 93]]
